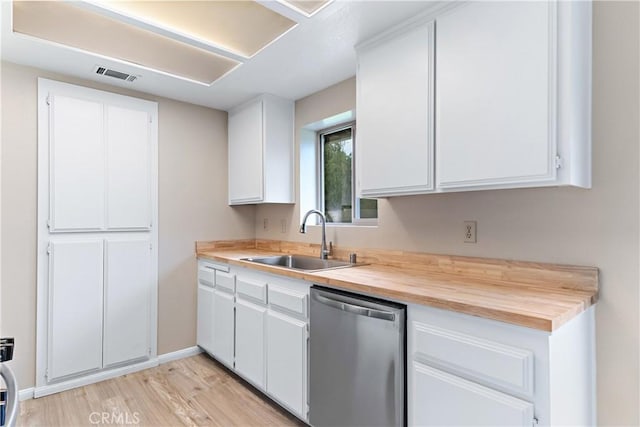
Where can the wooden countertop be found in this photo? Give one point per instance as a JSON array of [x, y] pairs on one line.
[[534, 295]]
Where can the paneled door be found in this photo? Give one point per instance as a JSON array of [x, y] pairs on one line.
[[223, 326], [75, 307], [448, 400], [77, 167], [97, 239], [128, 168], [490, 56], [250, 342], [127, 290], [286, 361]]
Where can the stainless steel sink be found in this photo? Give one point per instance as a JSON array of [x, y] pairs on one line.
[[300, 262]]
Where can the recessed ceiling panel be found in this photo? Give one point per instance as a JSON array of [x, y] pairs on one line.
[[241, 27], [65, 24], [308, 7]]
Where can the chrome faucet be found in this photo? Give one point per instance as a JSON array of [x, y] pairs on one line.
[[324, 252]]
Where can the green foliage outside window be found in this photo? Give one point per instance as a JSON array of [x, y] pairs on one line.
[[337, 173]]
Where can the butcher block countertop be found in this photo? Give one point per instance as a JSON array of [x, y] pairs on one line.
[[534, 295]]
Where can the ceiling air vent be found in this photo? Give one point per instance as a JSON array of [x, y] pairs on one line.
[[115, 74]]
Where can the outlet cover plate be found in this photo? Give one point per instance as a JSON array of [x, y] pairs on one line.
[[470, 228]]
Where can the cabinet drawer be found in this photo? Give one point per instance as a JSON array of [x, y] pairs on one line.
[[226, 281], [442, 399], [291, 301], [485, 361], [206, 275], [252, 289]]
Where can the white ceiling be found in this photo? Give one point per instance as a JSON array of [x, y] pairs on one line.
[[314, 55]]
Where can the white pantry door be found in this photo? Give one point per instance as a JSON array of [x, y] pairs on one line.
[[77, 165], [75, 307], [128, 168], [127, 290], [97, 235]]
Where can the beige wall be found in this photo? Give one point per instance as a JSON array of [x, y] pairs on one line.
[[597, 227], [192, 206]]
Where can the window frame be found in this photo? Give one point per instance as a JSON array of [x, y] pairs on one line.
[[355, 200]]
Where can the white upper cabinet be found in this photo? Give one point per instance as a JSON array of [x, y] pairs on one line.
[[395, 113], [500, 102], [100, 163], [76, 147], [261, 152], [512, 93], [128, 168], [494, 103]]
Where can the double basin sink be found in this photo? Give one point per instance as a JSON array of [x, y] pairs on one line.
[[300, 262]]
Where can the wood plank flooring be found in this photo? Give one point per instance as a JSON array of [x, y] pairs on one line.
[[195, 391]]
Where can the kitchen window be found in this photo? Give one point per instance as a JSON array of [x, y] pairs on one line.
[[336, 179]]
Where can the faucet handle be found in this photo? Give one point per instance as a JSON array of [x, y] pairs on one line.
[[330, 251]]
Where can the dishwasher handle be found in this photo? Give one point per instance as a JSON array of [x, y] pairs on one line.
[[356, 309]]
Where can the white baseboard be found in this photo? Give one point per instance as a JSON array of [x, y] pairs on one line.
[[93, 378], [30, 393], [179, 354], [26, 394]]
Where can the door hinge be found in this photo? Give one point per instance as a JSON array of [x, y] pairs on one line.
[[306, 331], [534, 422], [48, 100], [150, 246], [49, 249], [46, 374], [558, 162], [49, 224]]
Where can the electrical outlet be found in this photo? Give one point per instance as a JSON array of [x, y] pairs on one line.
[[470, 231], [283, 225], [265, 224]]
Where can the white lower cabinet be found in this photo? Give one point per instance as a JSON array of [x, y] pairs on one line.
[[99, 308], [204, 336], [469, 371], [462, 370], [250, 342], [75, 308], [287, 361], [206, 283], [223, 327], [127, 301], [448, 400], [266, 344]]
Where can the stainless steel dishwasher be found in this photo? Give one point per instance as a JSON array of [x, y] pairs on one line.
[[357, 360]]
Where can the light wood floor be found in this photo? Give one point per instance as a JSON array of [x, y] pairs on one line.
[[194, 391]]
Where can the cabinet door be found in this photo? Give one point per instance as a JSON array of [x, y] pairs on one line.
[[287, 361], [75, 308], [204, 333], [129, 168], [250, 351], [442, 399], [223, 327], [495, 99], [246, 154], [127, 304], [76, 164], [395, 103]]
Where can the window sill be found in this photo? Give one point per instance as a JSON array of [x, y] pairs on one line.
[[345, 225]]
